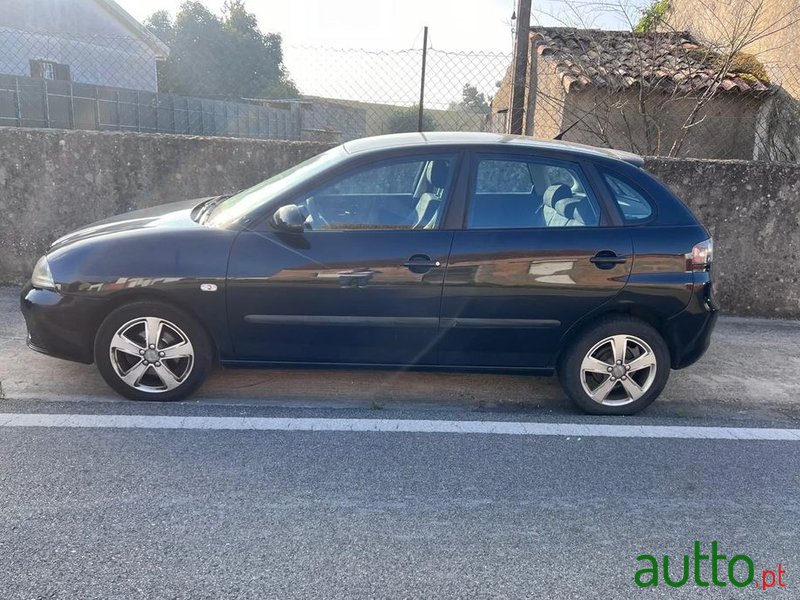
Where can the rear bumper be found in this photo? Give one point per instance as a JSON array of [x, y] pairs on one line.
[[58, 324], [688, 333]]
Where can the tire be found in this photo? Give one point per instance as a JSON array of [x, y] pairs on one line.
[[133, 367], [630, 386]]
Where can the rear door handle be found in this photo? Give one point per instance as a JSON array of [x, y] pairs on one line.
[[606, 259], [420, 263]]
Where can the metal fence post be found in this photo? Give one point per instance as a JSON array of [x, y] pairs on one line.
[[71, 106], [46, 104], [97, 107], [19, 102], [138, 112], [117, 112], [422, 78]]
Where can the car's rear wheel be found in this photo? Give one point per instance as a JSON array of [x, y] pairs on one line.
[[152, 351], [618, 367]]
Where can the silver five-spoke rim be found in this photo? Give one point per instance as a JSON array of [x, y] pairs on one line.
[[151, 354], [618, 370]]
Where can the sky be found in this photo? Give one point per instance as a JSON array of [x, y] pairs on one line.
[[391, 25], [397, 24]]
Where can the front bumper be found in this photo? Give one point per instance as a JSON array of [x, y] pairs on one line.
[[60, 325]]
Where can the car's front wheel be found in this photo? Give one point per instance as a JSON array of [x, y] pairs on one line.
[[152, 351], [618, 367]]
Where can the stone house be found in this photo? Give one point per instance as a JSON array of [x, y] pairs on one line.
[[658, 93], [82, 41], [774, 36], [771, 30]]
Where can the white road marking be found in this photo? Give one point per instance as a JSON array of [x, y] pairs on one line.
[[394, 426]]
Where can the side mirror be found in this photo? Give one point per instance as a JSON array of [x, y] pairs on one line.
[[289, 218]]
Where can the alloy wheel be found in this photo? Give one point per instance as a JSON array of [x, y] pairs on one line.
[[618, 370], [151, 354]]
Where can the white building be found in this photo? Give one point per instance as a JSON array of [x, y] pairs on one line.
[[84, 41]]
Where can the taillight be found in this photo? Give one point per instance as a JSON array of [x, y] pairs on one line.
[[699, 259]]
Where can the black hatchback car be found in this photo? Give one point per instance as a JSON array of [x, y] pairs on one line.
[[478, 252]]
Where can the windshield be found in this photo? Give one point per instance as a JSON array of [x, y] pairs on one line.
[[246, 201]]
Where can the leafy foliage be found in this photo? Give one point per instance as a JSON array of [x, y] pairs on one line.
[[407, 119], [219, 57], [472, 100], [652, 16]]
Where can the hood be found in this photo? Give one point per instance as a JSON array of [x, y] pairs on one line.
[[174, 215]]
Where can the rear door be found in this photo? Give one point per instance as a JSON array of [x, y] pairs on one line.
[[536, 254]]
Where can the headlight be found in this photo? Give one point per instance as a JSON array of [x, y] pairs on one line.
[[42, 277]]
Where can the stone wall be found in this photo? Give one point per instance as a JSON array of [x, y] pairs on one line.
[[727, 126], [52, 181], [753, 211]]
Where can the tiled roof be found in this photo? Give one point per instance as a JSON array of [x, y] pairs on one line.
[[621, 59]]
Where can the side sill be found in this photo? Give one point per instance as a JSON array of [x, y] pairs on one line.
[[256, 364]]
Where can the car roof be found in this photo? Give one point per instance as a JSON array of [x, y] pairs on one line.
[[450, 138]]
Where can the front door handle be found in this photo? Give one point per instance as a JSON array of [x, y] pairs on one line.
[[606, 259], [421, 263]]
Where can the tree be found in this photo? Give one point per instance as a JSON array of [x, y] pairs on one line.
[[407, 119], [652, 16], [471, 100], [225, 56]]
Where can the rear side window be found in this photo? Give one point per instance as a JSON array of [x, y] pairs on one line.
[[632, 204], [503, 177], [525, 193]]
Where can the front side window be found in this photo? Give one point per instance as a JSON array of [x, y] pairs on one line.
[[250, 201], [399, 194], [520, 193], [633, 205]]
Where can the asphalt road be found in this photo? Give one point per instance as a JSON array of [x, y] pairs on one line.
[[90, 513], [142, 511]]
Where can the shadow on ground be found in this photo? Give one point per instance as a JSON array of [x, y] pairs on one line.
[[752, 363]]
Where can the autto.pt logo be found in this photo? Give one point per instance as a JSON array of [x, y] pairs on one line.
[[706, 567]]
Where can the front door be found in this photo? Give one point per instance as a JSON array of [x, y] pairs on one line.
[[362, 284], [532, 259]]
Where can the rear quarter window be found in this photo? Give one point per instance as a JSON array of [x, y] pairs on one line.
[[633, 205]]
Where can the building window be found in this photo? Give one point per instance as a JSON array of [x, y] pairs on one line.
[[47, 69]]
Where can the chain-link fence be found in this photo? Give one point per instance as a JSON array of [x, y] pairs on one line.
[[660, 93], [457, 92], [114, 83]]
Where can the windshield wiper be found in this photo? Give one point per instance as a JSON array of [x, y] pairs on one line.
[[209, 207]]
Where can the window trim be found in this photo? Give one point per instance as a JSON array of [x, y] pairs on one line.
[[61, 71], [602, 171], [577, 165], [452, 184]]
